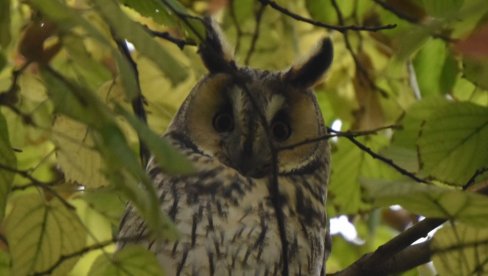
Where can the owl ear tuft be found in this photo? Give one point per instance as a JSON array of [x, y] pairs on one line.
[[306, 74], [214, 51]]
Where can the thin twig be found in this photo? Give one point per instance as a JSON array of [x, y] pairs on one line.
[[359, 66], [388, 161], [83, 251], [373, 263], [38, 183], [255, 36], [14, 85], [181, 43], [275, 196], [239, 32], [472, 179], [138, 102], [341, 29], [400, 14], [273, 185], [184, 18], [336, 133], [9, 96]]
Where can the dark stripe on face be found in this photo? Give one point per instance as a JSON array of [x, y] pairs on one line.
[[249, 125]]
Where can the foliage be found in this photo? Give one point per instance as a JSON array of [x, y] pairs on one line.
[[410, 77]]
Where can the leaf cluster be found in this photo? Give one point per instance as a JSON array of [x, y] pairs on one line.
[[83, 84]]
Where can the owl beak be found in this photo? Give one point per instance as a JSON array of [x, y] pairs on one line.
[[254, 167], [249, 163]]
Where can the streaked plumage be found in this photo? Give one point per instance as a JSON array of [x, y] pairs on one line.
[[234, 215]]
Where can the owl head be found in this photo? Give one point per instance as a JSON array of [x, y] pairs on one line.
[[240, 115]]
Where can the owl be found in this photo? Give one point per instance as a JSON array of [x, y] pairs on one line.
[[256, 203]]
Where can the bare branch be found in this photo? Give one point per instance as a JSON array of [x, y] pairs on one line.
[[409, 258], [383, 159], [9, 96], [138, 102], [472, 179], [357, 62], [410, 19], [46, 186], [239, 32], [258, 16], [6, 95], [341, 29], [336, 133], [185, 19], [83, 251], [181, 43], [389, 258]]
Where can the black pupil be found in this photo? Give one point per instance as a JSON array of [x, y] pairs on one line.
[[281, 131], [223, 122]]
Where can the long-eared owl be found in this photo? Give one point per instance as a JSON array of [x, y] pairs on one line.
[[256, 205]]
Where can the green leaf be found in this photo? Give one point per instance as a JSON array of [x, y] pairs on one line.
[[442, 8], [92, 72], [131, 260], [40, 232], [121, 164], [76, 153], [144, 43], [7, 158], [153, 9], [403, 147], [410, 41], [125, 173], [430, 201], [5, 35], [3, 61], [67, 18], [106, 201], [452, 145], [321, 10], [68, 98], [449, 74], [4, 263], [351, 165], [169, 12], [429, 64], [243, 9], [170, 159], [476, 71], [460, 250]]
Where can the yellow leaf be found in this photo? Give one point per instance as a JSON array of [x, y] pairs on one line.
[[39, 233], [76, 154], [132, 260]]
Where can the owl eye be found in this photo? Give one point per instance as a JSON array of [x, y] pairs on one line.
[[223, 121], [280, 126], [281, 130]]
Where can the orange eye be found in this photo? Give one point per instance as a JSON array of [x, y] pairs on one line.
[[223, 122]]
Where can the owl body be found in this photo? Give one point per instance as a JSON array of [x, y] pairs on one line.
[[256, 203]]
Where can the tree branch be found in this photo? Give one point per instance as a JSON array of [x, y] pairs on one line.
[[39, 184], [138, 102], [181, 43], [83, 251], [341, 29], [410, 19], [259, 15], [398, 254], [359, 66], [239, 32], [388, 161], [336, 133], [9, 94]]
